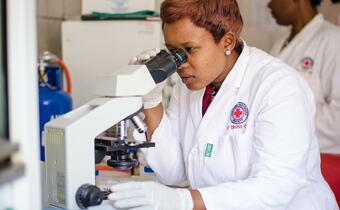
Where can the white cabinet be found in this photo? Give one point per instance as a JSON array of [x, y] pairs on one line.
[[91, 48]]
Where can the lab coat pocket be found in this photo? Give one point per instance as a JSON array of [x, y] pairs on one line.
[[241, 146], [221, 162]]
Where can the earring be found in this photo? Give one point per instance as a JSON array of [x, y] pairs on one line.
[[227, 52]]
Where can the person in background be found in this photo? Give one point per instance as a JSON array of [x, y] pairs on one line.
[[312, 47], [234, 129]]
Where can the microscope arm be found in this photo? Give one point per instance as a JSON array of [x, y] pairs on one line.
[[71, 137]]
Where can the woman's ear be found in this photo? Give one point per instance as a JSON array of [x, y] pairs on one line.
[[229, 41]]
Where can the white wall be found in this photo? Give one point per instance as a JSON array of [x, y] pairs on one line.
[[51, 13], [331, 11], [260, 29]]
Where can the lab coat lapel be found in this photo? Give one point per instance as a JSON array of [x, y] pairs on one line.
[[218, 113], [196, 107], [305, 35]]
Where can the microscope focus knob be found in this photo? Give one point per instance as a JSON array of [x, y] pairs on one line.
[[88, 195]]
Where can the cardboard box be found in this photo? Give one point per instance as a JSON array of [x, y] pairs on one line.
[[117, 6]]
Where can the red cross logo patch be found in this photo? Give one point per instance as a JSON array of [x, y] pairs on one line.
[[307, 63], [239, 113]]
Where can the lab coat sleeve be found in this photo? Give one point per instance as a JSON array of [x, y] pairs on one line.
[[166, 157], [328, 108], [282, 140]]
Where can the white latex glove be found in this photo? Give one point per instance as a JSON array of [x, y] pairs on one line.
[[150, 196], [144, 56], [155, 96]]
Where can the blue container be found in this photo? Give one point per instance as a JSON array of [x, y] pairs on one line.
[[53, 101]]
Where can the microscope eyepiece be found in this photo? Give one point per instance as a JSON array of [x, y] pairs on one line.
[[180, 56], [164, 64]]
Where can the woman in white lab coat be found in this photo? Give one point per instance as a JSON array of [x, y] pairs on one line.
[[253, 147], [312, 47]]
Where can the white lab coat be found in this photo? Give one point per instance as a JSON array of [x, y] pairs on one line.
[[269, 161], [318, 45]]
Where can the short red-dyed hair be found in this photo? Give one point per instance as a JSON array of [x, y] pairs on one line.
[[216, 16]]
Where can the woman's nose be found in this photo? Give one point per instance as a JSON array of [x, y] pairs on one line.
[[186, 64]]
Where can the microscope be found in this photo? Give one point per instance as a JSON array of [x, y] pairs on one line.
[[75, 142]]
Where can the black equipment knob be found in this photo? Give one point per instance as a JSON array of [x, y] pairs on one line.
[[88, 195]]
